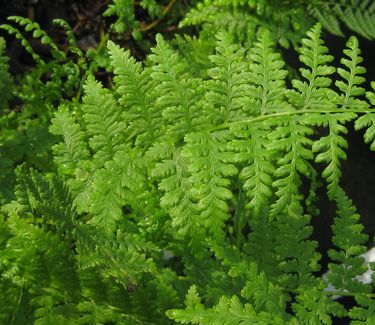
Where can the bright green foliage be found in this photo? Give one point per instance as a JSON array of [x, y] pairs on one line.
[[178, 94], [313, 93], [267, 76], [227, 84], [135, 86], [351, 86], [174, 186], [210, 185]]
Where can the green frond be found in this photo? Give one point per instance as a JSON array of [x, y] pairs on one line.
[[253, 154], [264, 295], [69, 153], [349, 239], [368, 121], [267, 76], [38, 269], [298, 254], [115, 186], [330, 149], [177, 199], [73, 47], [286, 20], [178, 94], [210, 167], [326, 17], [291, 139], [38, 32], [24, 42], [312, 306], [226, 88], [123, 9], [351, 73], [122, 256], [228, 311], [137, 96], [364, 314], [42, 199], [358, 16], [267, 307], [314, 92], [104, 125]]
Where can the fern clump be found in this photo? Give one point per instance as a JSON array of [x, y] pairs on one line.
[[178, 197]]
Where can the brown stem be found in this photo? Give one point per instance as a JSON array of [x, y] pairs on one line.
[[157, 21]]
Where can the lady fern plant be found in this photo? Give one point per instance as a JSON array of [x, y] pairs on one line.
[[179, 199]]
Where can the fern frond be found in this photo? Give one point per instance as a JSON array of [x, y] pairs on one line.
[[266, 76], [291, 137], [349, 239], [312, 306], [359, 16], [38, 32], [365, 312], [138, 97], [228, 311], [118, 184], [209, 164], [178, 93], [40, 265], [326, 17], [24, 42], [331, 148], [73, 149], [351, 74], [314, 92], [368, 121], [226, 88], [73, 47], [298, 254], [177, 198], [47, 197], [268, 305], [103, 122]]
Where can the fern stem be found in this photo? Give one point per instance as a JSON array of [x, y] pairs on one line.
[[282, 114]]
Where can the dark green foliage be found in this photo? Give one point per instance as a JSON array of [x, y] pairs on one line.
[[287, 20], [25, 136]]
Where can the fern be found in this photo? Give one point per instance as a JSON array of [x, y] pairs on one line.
[[172, 182]]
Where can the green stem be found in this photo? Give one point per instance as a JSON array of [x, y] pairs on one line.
[[291, 113]]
